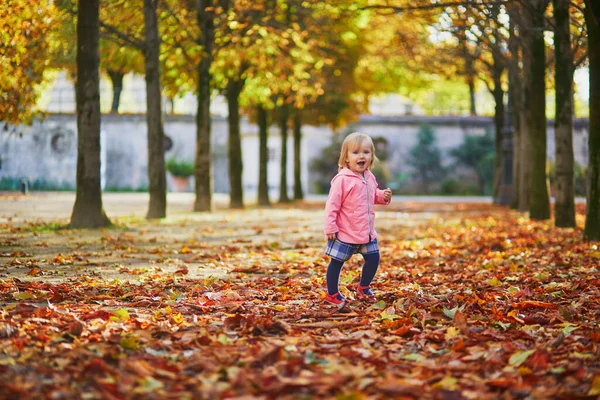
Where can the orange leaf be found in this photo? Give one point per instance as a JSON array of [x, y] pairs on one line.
[[534, 304]]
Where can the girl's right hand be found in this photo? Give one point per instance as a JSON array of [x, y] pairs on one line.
[[331, 236]]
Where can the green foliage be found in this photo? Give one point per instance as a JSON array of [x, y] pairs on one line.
[[473, 149], [14, 184], [325, 166], [180, 168], [449, 186], [486, 169], [25, 28], [477, 152], [382, 174], [452, 187], [425, 158]]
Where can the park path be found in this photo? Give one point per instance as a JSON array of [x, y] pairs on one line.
[[35, 225]]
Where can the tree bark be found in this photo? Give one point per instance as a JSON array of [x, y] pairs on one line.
[[263, 157], [516, 95], [564, 209], [116, 77], [471, 82], [525, 143], [157, 181], [469, 71], [592, 221], [88, 211], [234, 88], [283, 124], [497, 71], [498, 124], [298, 192], [539, 208], [203, 166]]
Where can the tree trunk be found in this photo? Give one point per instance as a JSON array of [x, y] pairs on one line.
[[236, 194], [564, 209], [471, 82], [283, 124], [203, 164], [263, 158], [592, 221], [157, 181], [539, 207], [498, 124], [525, 144], [116, 77], [298, 192], [516, 95], [88, 211], [469, 71]]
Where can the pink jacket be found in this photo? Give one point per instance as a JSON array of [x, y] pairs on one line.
[[350, 208]]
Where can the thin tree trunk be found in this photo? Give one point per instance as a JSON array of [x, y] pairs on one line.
[[592, 221], [564, 209], [283, 124], [263, 158], [516, 94], [203, 166], [88, 211], [157, 181], [116, 77], [499, 126], [539, 207], [469, 71], [526, 146], [298, 193], [234, 88], [497, 72], [471, 82]]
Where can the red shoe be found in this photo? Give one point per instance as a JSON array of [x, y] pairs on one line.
[[365, 293], [337, 298]]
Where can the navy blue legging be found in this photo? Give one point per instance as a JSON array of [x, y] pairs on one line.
[[368, 272]]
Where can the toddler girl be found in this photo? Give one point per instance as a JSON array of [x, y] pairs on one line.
[[350, 216]]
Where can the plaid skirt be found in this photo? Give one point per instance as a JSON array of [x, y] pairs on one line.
[[342, 251]]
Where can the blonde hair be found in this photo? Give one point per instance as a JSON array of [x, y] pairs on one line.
[[352, 141]]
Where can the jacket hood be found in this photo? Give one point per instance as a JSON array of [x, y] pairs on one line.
[[348, 172]]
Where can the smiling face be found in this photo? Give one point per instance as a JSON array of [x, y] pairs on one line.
[[360, 157]]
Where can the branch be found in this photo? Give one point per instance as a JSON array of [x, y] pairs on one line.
[[125, 39], [464, 3], [577, 63], [487, 84]]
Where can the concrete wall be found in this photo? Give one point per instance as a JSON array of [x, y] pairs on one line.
[[47, 151]]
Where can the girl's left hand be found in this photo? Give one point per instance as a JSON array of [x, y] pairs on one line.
[[387, 194]]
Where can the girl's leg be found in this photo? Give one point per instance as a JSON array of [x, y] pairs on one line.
[[369, 268], [333, 275]]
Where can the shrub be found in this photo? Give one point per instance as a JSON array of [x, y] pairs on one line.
[[449, 186], [180, 168]]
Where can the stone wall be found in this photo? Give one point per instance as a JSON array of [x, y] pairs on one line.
[[47, 151]]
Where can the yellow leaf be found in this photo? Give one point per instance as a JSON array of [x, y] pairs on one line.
[[130, 342], [494, 282], [448, 383], [23, 296], [120, 315], [452, 332], [178, 318], [595, 389], [185, 250], [519, 357]]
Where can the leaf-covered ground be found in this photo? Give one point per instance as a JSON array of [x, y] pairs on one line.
[[476, 302]]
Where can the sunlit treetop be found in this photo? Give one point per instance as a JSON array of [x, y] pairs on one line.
[[24, 29]]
